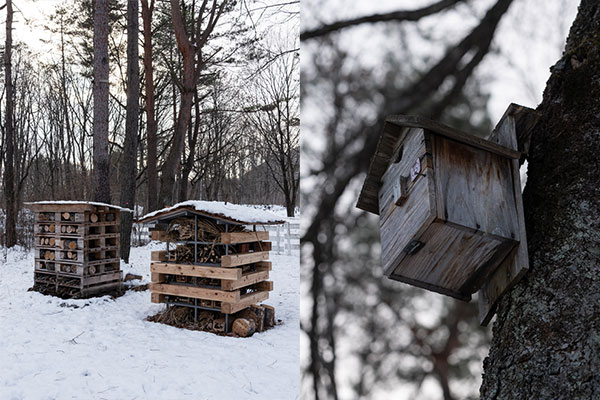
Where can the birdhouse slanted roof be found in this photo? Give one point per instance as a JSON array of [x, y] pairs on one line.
[[394, 131], [227, 212]]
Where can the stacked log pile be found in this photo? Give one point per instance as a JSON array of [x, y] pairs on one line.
[[77, 249]]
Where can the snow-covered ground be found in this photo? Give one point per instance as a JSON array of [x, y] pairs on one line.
[[105, 349]]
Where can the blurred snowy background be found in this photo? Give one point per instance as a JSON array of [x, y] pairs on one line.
[[460, 62]]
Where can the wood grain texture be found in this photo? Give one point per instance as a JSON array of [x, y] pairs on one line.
[[246, 280], [450, 259], [245, 301], [243, 259], [401, 224], [449, 132], [516, 264], [368, 199], [474, 188], [195, 292], [232, 274], [244, 237]]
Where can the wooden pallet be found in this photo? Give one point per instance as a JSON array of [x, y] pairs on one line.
[[245, 301], [233, 288]]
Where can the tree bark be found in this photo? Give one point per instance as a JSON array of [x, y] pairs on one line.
[[546, 343], [101, 88], [192, 66], [151, 129], [9, 164], [128, 164]]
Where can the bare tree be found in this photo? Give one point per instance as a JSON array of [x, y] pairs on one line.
[[545, 336], [193, 65], [276, 119], [9, 174], [128, 168], [101, 93]]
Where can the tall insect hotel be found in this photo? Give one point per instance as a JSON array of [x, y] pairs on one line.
[[215, 258], [76, 248]]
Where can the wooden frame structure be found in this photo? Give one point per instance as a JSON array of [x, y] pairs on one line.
[[237, 279], [76, 248]]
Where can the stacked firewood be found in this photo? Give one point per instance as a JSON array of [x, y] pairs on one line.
[[207, 253], [67, 216], [68, 244], [208, 231], [47, 241], [68, 268], [47, 217], [49, 228], [47, 254], [68, 229]]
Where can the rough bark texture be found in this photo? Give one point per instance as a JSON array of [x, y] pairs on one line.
[[128, 165], [546, 337], [151, 128], [9, 169], [101, 160]]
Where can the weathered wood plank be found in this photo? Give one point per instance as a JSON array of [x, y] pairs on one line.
[[158, 255], [415, 121], [451, 260], [245, 301], [197, 270], [516, 264], [399, 225], [244, 237], [243, 259], [195, 292], [157, 298], [246, 280], [474, 188]]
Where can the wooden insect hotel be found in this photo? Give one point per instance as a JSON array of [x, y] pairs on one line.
[[76, 248], [449, 205], [215, 258]]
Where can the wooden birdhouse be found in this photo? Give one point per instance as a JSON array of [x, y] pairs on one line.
[[449, 205]]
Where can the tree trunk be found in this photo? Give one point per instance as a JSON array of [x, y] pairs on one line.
[[546, 343], [101, 157], [128, 164], [172, 163], [191, 72], [151, 128], [9, 164]]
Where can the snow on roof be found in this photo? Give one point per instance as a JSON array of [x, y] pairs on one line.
[[92, 203], [218, 209]]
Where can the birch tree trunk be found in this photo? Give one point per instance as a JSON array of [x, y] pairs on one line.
[[546, 341], [128, 170], [101, 157], [9, 164]]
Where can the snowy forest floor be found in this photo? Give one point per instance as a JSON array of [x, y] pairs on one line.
[[101, 348]]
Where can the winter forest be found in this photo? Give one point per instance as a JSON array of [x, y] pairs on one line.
[[195, 99]]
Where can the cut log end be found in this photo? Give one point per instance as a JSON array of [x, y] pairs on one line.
[[94, 218], [243, 327]]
